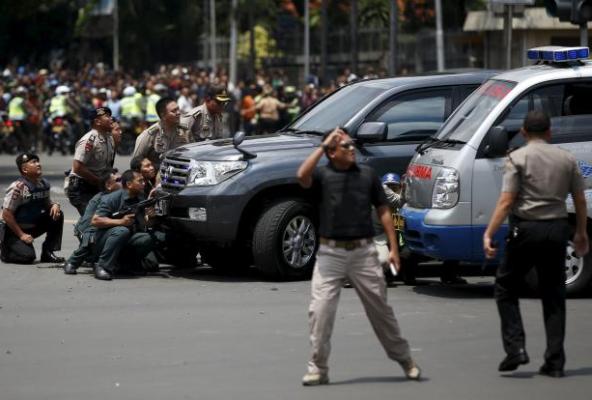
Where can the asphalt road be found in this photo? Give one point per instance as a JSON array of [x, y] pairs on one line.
[[192, 334]]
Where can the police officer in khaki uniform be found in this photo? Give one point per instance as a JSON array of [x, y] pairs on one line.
[[165, 135], [205, 122], [93, 160], [28, 212], [537, 180]]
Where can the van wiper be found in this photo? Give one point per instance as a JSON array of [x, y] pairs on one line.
[[305, 131], [432, 141]]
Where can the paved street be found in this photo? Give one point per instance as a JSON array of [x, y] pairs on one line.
[[192, 334]]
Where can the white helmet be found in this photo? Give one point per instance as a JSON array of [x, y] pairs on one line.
[[129, 91], [62, 89]]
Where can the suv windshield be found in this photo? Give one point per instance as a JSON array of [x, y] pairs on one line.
[[337, 109], [463, 123]]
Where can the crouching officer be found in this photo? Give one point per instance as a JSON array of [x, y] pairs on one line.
[[121, 243], [537, 180], [85, 231], [27, 213], [93, 160]]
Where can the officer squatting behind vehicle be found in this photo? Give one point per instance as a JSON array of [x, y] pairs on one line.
[[205, 122], [27, 213], [536, 182], [348, 252]]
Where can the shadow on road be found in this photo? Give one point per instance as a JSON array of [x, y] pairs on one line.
[[208, 274], [471, 290], [531, 374], [375, 379]]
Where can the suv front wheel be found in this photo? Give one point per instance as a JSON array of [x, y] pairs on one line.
[[285, 240]]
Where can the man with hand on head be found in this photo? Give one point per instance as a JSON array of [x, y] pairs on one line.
[[27, 213], [347, 251]]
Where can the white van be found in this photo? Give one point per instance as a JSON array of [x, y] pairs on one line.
[[454, 179]]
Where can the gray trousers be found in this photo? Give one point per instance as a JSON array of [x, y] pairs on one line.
[[362, 268]]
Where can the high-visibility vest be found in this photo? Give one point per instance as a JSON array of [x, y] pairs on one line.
[[16, 109], [151, 114], [130, 108], [58, 106]]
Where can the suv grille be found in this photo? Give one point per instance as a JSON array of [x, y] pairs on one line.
[[174, 172]]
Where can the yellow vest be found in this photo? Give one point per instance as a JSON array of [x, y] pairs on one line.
[[16, 109], [130, 108], [58, 106], [151, 114]]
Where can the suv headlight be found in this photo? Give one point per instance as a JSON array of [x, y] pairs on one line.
[[446, 189], [204, 173]]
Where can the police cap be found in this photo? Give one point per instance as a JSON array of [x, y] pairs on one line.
[[218, 93], [25, 158], [99, 112]]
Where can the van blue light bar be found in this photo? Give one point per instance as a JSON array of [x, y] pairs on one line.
[[558, 53]]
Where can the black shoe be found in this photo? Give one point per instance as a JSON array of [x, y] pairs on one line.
[[49, 257], [102, 274], [69, 269], [553, 373], [512, 361]]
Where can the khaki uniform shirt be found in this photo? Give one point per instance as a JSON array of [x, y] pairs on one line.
[[96, 152], [542, 175], [153, 143], [202, 124]]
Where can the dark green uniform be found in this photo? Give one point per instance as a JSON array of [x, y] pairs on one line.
[[111, 241]]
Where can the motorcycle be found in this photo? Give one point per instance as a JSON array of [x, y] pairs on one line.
[[131, 129], [8, 140], [58, 136]]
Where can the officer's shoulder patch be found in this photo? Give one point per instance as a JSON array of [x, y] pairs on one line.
[[90, 142], [154, 129]]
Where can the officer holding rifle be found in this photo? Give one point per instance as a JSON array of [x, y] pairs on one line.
[[121, 217]]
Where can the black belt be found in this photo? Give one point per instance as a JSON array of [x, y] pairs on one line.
[[346, 244]]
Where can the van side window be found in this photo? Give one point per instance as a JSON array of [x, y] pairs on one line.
[[414, 116], [567, 106]]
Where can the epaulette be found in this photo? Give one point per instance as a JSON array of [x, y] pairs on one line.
[[183, 127], [154, 129]]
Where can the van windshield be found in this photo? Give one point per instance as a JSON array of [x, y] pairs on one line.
[[463, 123], [337, 109]]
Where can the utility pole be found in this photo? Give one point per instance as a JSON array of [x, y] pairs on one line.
[[306, 41], [213, 34], [353, 25], [233, 38], [393, 28], [324, 32], [115, 35], [252, 55], [508, 16], [439, 36]]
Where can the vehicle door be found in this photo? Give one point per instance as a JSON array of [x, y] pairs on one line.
[[411, 117], [571, 117]]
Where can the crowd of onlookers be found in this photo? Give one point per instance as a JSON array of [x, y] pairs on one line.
[[263, 104]]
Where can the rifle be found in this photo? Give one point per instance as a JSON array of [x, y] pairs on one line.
[[132, 209]]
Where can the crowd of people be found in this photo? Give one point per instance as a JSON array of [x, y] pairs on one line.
[[49, 109]]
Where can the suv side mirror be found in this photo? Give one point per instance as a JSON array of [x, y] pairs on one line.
[[371, 131], [237, 139], [497, 142]]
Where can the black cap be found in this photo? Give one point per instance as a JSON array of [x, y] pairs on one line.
[[218, 93], [99, 112], [25, 158]]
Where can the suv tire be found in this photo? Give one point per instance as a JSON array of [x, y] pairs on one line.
[[285, 240]]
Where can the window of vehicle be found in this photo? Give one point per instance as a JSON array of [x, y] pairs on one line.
[[414, 116], [337, 109], [566, 104], [463, 123]]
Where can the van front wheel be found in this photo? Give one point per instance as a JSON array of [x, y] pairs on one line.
[[285, 240]]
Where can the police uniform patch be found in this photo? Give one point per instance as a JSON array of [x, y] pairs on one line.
[[90, 143]]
